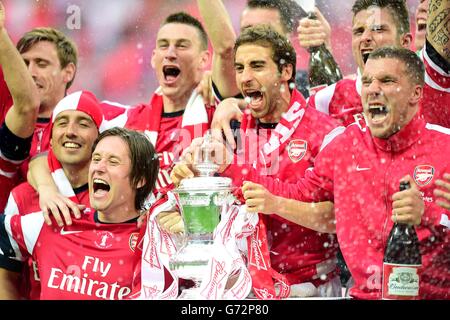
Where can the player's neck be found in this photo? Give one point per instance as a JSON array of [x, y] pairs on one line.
[[46, 108], [282, 106], [176, 103], [45, 111], [118, 214], [77, 175]]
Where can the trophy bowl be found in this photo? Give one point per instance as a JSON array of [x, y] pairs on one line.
[[202, 200]]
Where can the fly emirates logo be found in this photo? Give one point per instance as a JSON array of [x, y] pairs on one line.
[[78, 282]]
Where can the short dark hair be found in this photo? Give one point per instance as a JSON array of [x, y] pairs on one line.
[[413, 65], [185, 18], [397, 8], [284, 7], [66, 48], [144, 161], [283, 53]]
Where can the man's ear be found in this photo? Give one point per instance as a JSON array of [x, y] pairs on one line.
[[406, 40], [286, 72], [69, 72], [416, 95], [205, 57]]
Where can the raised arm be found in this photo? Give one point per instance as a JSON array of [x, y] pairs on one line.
[[222, 36], [314, 32], [21, 118]]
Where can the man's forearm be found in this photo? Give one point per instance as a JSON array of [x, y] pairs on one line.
[[317, 216], [438, 31], [22, 118], [39, 175], [17, 77], [220, 31]]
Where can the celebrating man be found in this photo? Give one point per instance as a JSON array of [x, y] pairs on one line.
[[92, 258], [360, 172]]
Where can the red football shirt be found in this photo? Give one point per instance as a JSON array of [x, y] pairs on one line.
[[301, 254], [24, 200], [87, 260]]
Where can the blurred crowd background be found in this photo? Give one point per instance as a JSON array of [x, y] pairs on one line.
[[115, 38]]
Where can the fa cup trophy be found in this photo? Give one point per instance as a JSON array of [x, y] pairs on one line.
[[202, 200]]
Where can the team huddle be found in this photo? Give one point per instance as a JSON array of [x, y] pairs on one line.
[[85, 183]]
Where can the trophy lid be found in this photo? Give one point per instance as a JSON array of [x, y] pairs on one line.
[[204, 184], [205, 165]]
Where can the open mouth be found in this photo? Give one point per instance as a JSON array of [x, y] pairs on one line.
[[421, 22], [100, 187], [71, 145], [171, 73], [378, 113], [253, 97], [421, 26], [365, 55]]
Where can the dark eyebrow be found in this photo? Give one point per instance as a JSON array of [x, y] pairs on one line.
[[389, 77], [42, 60], [257, 62], [357, 29]]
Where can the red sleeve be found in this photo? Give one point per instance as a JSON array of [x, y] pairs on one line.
[[435, 76], [12, 241], [435, 216], [316, 186]]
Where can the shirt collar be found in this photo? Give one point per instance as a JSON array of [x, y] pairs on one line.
[[403, 139]]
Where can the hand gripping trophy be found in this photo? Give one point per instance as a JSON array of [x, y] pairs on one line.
[[202, 200]]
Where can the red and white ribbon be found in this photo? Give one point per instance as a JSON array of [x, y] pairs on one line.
[[157, 248], [227, 261], [268, 284]]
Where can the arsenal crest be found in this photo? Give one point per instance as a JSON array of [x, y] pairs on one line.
[[423, 175], [132, 241], [297, 149]]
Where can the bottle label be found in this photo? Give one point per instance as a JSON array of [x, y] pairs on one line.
[[400, 281], [314, 90]]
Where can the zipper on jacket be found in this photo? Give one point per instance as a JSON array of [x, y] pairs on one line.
[[386, 192]]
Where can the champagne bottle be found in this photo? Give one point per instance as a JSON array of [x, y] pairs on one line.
[[402, 260], [323, 69]]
